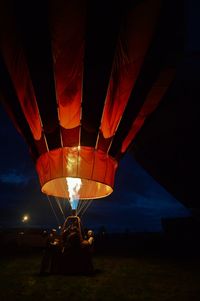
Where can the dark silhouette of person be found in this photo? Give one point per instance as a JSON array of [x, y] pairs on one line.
[[48, 258], [87, 250], [71, 250]]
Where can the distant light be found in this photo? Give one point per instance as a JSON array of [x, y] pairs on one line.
[[25, 218]]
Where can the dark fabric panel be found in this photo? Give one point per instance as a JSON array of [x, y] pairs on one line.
[[103, 143], [88, 138], [101, 37], [70, 137], [165, 49], [32, 17], [168, 144], [53, 138], [12, 106], [41, 145]]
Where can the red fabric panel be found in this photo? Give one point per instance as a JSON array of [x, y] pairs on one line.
[[18, 70], [100, 167], [111, 170], [132, 47], [68, 26], [152, 101], [20, 77], [136, 126]]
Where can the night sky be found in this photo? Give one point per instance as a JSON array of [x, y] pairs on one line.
[[138, 202]]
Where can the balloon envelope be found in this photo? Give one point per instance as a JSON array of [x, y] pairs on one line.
[[80, 78]]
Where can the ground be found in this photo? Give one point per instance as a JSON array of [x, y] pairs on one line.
[[119, 277]]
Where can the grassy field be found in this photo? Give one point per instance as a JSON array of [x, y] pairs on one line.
[[116, 278]]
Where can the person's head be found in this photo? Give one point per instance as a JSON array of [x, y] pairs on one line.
[[90, 233], [53, 232], [45, 233]]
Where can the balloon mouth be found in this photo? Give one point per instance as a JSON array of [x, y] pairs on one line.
[[95, 168], [89, 189]]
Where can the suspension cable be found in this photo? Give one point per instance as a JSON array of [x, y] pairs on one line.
[[85, 206], [59, 205], [57, 219], [81, 205]]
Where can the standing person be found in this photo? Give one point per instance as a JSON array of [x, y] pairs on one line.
[[90, 239], [88, 249], [47, 259], [71, 251]]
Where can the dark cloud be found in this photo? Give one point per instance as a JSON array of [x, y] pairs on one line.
[[13, 177]]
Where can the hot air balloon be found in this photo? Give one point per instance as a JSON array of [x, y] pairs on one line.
[[79, 79]]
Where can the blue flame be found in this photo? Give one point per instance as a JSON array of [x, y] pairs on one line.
[[74, 204]]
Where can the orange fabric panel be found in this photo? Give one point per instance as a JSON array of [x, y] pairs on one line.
[[132, 47], [55, 160], [89, 189], [96, 169], [70, 161], [68, 26], [86, 159], [152, 101]]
